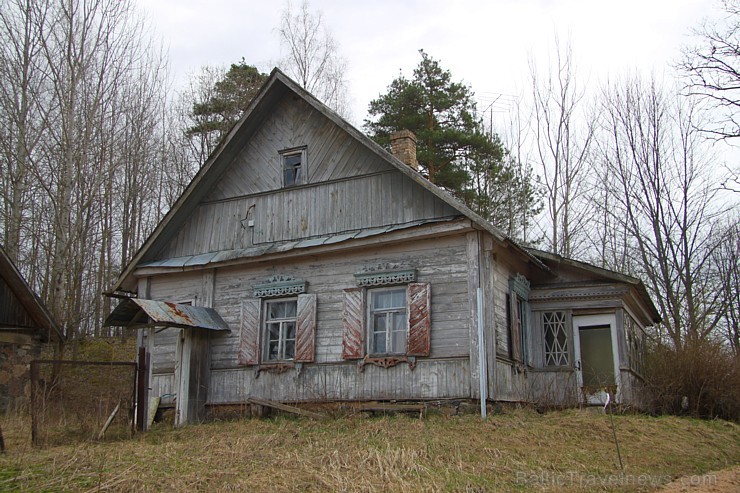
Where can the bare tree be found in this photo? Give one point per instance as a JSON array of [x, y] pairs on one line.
[[81, 98], [312, 57], [712, 70], [661, 202], [563, 141]]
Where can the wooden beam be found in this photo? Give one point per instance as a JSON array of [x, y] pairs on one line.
[[15, 338], [285, 407]]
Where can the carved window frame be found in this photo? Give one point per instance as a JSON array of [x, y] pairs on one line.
[[282, 323], [401, 310]]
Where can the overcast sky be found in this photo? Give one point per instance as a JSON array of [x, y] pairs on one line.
[[486, 44]]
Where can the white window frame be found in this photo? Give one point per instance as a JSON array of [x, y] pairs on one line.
[[288, 153], [388, 336], [282, 324]]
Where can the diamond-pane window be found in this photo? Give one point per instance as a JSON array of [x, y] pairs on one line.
[[556, 339]]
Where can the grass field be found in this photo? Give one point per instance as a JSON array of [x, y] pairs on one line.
[[517, 450]]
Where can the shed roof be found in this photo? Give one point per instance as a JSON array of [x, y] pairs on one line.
[[137, 313], [46, 326], [272, 91]]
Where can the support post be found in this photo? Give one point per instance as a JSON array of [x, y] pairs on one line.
[[483, 370], [142, 390]]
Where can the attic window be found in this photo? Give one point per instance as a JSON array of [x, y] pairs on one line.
[[294, 166]]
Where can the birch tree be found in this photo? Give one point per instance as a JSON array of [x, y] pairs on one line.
[[311, 56], [563, 141], [81, 99]]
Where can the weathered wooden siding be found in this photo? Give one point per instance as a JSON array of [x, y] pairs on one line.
[[432, 379], [510, 383], [12, 313], [442, 262], [553, 388], [348, 188], [304, 212], [331, 153]]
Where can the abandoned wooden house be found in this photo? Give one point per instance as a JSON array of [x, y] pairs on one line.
[[25, 324], [306, 263]]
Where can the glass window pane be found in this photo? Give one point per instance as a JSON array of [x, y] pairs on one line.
[[289, 330], [379, 322], [273, 332], [272, 350], [290, 309], [378, 342], [289, 350], [399, 298], [398, 339]]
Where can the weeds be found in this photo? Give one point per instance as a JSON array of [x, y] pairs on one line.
[[390, 453]]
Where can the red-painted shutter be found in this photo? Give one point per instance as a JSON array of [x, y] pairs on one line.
[[249, 333], [305, 328], [353, 320], [419, 300]]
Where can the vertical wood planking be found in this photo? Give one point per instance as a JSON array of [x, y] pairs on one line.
[[248, 352], [473, 258], [353, 321], [305, 328]]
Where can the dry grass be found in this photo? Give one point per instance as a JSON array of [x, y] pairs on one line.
[[514, 451]]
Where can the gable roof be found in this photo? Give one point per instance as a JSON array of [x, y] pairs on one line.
[[276, 87], [46, 327]]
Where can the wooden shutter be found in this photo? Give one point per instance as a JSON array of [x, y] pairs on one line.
[[353, 320], [516, 329], [249, 348], [419, 301], [305, 328]]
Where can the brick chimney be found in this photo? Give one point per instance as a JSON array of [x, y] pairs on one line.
[[403, 146]]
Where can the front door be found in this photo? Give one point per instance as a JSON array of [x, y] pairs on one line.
[[596, 356]]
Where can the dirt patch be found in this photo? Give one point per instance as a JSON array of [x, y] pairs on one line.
[[724, 481]]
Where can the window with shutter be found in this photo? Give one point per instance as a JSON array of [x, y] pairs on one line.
[[387, 322], [286, 327]]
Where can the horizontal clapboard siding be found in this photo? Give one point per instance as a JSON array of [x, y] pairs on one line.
[[293, 214], [441, 262], [432, 379]]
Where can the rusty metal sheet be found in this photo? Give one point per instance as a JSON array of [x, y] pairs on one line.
[[137, 313]]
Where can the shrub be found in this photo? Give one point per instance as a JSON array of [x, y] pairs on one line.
[[701, 380]]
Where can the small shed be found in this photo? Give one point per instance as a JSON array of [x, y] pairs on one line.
[[25, 324]]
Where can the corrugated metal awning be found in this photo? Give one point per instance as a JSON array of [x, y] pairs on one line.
[[136, 313]]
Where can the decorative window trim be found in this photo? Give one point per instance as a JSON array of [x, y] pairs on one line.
[[282, 336], [520, 285], [385, 278], [280, 286]]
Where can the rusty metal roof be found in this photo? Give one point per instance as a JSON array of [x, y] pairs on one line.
[[256, 251], [138, 313]]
